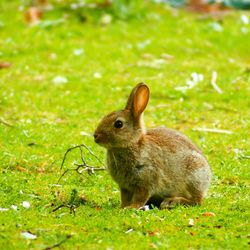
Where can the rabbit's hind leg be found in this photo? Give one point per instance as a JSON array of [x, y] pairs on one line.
[[169, 203]]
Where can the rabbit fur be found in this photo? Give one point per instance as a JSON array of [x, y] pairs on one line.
[[157, 165]]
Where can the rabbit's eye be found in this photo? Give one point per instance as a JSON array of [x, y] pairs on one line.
[[118, 124]]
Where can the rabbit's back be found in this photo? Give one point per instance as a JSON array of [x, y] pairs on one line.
[[170, 139], [182, 164]]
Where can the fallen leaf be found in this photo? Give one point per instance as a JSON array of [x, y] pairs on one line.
[[204, 6], [33, 15], [41, 170], [21, 169], [208, 214], [4, 65], [153, 233]]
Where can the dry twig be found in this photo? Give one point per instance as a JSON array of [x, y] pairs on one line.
[[213, 130], [59, 243], [80, 168], [213, 83], [71, 207], [5, 122]]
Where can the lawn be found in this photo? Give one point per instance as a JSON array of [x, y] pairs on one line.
[[77, 65]]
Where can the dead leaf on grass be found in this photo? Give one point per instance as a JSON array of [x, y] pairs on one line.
[[209, 214], [4, 65], [154, 233], [202, 6], [21, 169], [33, 15]]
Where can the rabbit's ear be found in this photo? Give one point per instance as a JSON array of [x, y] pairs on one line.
[[138, 99]]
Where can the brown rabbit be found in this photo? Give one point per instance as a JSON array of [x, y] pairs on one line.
[[159, 165]]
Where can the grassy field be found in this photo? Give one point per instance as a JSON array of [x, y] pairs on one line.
[[67, 73]]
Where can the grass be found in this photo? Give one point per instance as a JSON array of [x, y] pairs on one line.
[[48, 118]]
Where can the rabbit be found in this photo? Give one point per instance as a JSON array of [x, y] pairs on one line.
[[157, 165]]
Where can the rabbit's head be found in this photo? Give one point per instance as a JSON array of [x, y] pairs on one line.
[[123, 128]]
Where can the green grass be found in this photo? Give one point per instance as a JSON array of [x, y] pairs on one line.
[[48, 118]]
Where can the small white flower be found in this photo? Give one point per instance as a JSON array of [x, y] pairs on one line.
[[14, 207], [26, 204], [191, 222]]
